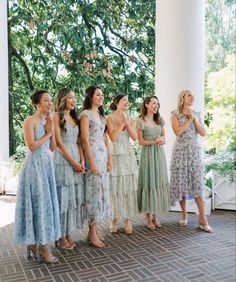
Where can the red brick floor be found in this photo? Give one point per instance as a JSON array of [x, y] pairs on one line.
[[171, 253]]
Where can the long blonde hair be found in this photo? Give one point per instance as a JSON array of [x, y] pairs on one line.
[[181, 99]]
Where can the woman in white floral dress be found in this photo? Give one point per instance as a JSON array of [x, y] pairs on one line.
[[123, 176], [97, 162], [186, 179]]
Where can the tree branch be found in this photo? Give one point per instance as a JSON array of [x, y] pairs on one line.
[[26, 69]]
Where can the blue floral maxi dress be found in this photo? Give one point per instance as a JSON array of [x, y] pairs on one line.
[[123, 178], [186, 177], [37, 210], [97, 198], [70, 186], [153, 184]]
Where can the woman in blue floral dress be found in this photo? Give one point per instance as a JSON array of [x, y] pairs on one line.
[[186, 178], [69, 166], [37, 211], [98, 163]]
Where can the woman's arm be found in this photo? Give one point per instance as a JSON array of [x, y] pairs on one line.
[[131, 128], [62, 148], [162, 140], [81, 153], [143, 141], [109, 161], [113, 133], [199, 127], [177, 128], [84, 129], [28, 130], [50, 123]]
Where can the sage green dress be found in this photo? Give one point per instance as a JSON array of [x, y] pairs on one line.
[[153, 185]]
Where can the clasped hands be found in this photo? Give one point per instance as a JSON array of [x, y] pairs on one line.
[[160, 140], [189, 114]]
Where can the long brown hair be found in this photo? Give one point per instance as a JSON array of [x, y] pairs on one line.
[[88, 101], [143, 112], [60, 107]]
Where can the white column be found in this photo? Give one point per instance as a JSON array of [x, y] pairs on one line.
[[179, 57], [4, 106]]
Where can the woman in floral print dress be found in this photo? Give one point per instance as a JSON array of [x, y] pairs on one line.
[[97, 163], [186, 179], [37, 220]]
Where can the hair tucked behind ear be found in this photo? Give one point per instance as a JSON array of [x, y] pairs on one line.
[[115, 101], [36, 97]]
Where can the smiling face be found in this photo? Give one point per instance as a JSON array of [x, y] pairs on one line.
[[188, 99], [123, 104], [70, 101], [153, 105], [98, 98], [45, 104]]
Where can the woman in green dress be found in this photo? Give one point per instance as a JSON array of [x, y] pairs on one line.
[[153, 186]]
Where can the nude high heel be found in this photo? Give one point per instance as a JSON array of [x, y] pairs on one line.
[[128, 227], [149, 224], [45, 254], [63, 244], [156, 222], [32, 249], [113, 226]]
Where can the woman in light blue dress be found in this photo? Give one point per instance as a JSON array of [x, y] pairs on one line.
[[69, 166], [37, 211], [98, 163]]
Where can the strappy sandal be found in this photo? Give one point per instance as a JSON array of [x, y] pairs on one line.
[[32, 249], [45, 254], [63, 244], [156, 222], [113, 226], [206, 228], [149, 224], [70, 240], [95, 243]]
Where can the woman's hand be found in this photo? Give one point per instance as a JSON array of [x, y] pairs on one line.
[[109, 165], [189, 114], [160, 140], [94, 169], [49, 127], [83, 168], [78, 167]]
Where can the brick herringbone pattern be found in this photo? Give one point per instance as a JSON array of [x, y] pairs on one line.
[[171, 253]]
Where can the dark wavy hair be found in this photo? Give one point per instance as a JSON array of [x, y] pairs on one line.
[[115, 101], [156, 117], [36, 97], [60, 107], [88, 101]]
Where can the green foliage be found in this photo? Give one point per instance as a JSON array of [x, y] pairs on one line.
[[220, 33], [224, 163], [18, 158], [221, 107], [71, 43]]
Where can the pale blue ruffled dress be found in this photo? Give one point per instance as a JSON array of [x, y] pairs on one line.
[[37, 210], [70, 185]]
